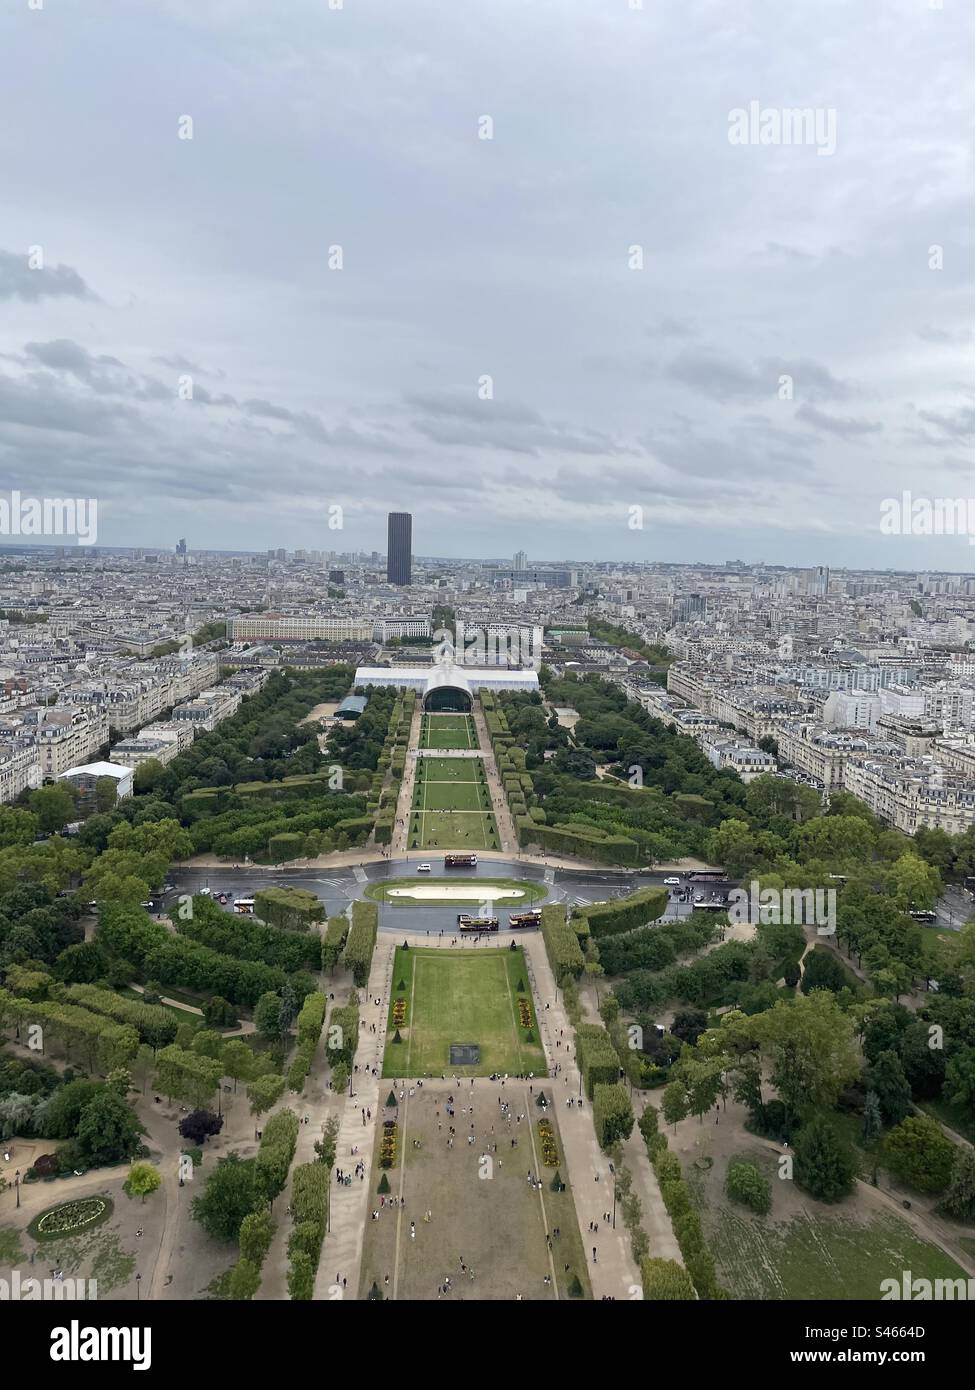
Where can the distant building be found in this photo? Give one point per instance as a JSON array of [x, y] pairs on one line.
[[386, 628], [297, 627], [87, 777], [444, 686], [352, 706], [399, 548]]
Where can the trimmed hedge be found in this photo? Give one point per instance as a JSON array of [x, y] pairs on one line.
[[561, 943], [333, 941], [596, 1057], [362, 940], [624, 914], [612, 1113], [579, 842]]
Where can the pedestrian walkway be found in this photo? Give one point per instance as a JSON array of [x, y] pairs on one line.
[[349, 1206], [655, 1219], [400, 840], [503, 819], [614, 1273]]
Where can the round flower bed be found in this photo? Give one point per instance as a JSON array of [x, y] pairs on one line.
[[68, 1218]]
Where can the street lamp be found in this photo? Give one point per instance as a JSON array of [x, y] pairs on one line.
[[17, 1185], [138, 1288]]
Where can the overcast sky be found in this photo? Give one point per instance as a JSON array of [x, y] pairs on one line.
[[206, 261]]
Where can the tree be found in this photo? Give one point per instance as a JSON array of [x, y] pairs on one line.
[[674, 1104], [53, 806], [237, 1061], [267, 1015], [106, 794], [301, 1276], [147, 775], [264, 1092], [688, 1025], [809, 1041], [919, 1154], [256, 1233], [208, 1043], [230, 1195], [143, 1180], [219, 1013], [913, 882], [959, 1200], [823, 970], [959, 1086], [824, 1165], [702, 1081], [244, 1281], [872, 1120], [198, 1126], [887, 1081], [107, 1129]]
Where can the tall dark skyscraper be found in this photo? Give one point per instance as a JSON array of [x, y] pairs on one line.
[[399, 548]]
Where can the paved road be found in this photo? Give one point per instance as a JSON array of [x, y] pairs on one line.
[[338, 886]]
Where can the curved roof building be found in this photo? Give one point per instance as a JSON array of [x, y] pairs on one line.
[[444, 685]]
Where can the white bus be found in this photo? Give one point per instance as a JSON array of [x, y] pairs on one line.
[[245, 906]]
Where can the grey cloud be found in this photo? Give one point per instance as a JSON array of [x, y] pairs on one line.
[[19, 281], [847, 428]]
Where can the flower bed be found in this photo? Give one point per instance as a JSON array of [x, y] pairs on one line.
[[550, 1149], [68, 1218], [388, 1144], [399, 1013], [525, 1013]]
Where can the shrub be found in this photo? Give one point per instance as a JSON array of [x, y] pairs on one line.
[[744, 1183]]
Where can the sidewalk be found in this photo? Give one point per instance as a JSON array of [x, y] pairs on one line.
[[507, 835], [349, 1206], [655, 1219], [615, 1274]]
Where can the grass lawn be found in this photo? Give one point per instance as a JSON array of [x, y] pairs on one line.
[[523, 893], [803, 1249], [463, 996], [449, 770], [461, 830], [448, 731], [451, 796]]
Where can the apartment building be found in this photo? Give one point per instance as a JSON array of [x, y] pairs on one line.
[[909, 793], [210, 708], [20, 768], [385, 629], [132, 752], [749, 762], [67, 736], [284, 627]]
